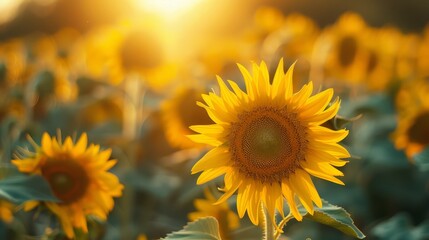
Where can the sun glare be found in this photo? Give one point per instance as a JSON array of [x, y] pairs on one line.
[[167, 7]]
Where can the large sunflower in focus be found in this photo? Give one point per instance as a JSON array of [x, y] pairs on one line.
[[268, 142], [78, 177]]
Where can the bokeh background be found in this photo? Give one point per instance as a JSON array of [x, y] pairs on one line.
[[129, 72]]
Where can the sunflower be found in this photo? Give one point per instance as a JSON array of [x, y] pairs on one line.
[[423, 54], [412, 132], [344, 47], [381, 51], [228, 220], [268, 141], [178, 113], [78, 177]]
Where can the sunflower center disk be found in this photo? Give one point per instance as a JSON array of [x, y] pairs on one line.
[[67, 179], [419, 130], [267, 144], [347, 50]]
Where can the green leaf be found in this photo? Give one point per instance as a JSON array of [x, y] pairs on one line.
[[21, 188], [400, 227], [334, 216], [202, 229]]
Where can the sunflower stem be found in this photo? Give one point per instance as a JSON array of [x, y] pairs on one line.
[[283, 223], [268, 226]]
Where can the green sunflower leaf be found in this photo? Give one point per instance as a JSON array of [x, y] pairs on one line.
[[22, 188], [202, 229], [334, 216]]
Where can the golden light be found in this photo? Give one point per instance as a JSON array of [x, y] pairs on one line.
[[168, 8], [8, 9]]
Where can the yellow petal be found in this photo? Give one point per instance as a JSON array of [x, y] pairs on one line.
[[242, 199], [26, 165], [47, 145], [263, 81], [64, 218], [327, 135], [81, 144], [319, 118], [318, 102], [334, 148], [200, 138], [248, 82], [68, 144], [29, 205], [207, 129], [255, 203], [305, 177], [238, 92], [314, 170], [289, 195], [227, 95], [297, 185], [229, 192], [217, 157], [211, 174], [299, 98], [320, 155]]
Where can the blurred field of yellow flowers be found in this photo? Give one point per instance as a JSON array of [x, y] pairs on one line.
[[168, 119]]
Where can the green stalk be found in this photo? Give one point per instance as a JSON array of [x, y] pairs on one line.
[[268, 226], [282, 223]]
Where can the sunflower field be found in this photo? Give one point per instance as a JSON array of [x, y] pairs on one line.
[[210, 120]]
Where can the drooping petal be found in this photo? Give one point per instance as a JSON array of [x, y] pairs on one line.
[[290, 197], [298, 186]]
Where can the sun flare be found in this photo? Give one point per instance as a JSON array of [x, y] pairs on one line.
[[167, 7]]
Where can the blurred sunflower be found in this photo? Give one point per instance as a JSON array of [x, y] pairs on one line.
[[268, 141], [267, 20], [178, 113], [294, 39], [412, 132], [382, 50], [407, 56], [78, 177], [98, 111], [12, 62], [221, 54], [99, 54], [228, 220], [6, 211], [423, 55], [343, 45]]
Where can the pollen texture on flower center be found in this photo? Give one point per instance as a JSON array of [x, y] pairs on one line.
[[267, 144]]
